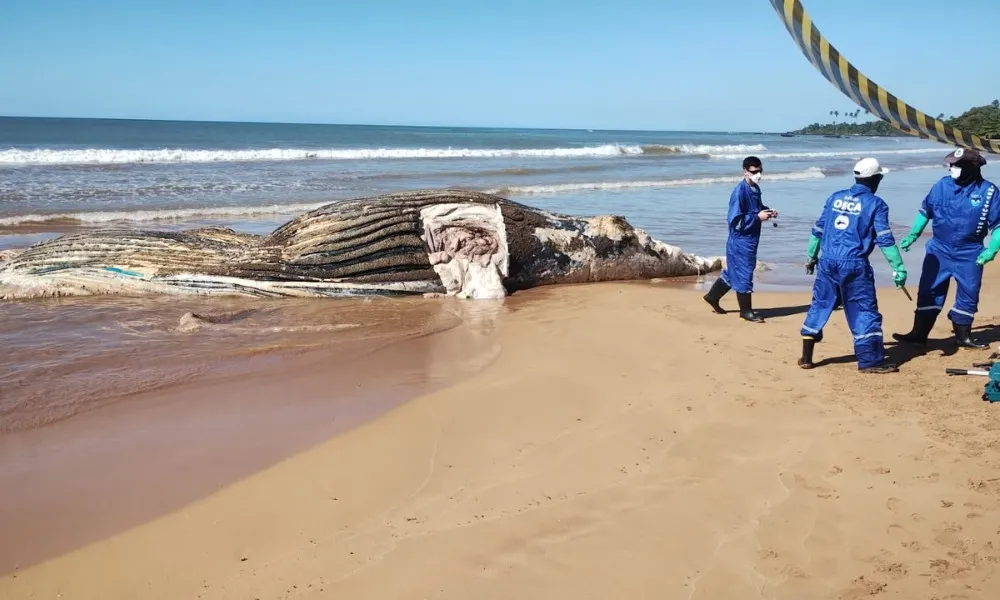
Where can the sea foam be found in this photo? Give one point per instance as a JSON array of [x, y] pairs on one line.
[[560, 188], [109, 156]]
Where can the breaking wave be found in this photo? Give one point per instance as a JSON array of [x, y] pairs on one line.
[[109, 156], [703, 149], [562, 188], [104, 217], [834, 154]]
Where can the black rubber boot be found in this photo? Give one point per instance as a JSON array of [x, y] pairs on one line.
[[923, 322], [806, 360], [881, 369], [719, 289], [746, 308], [963, 337]]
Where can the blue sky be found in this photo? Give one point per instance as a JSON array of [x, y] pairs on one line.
[[627, 64]]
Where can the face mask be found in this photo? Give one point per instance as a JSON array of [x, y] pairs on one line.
[[755, 177], [956, 172]]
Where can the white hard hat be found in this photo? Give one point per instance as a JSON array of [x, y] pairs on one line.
[[868, 167]]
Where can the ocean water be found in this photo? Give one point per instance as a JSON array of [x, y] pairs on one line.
[[61, 173]]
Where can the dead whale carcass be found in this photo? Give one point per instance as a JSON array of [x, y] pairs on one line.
[[454, 242]]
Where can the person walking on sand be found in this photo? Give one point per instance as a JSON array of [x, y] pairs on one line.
[[963, 206], [746, 214], [852, 223]]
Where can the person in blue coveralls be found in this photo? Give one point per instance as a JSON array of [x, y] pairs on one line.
[[964, 207], [852, 223], [746, 214]]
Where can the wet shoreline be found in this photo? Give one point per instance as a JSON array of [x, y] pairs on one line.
[[90, 471]]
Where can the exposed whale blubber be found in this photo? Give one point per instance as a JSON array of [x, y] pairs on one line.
[[453, 242]]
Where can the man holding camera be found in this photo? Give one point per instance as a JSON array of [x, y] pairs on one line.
[[746, 214]]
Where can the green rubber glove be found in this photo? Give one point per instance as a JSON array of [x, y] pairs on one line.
[[918, 227], [892, 255], [991, 252], [812, 252]]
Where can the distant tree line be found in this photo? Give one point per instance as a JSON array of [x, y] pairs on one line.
[[983, 121]]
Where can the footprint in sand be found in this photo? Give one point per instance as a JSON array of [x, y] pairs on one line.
[[946, 569], [821, 491], [985, 486], [864, 587], [893, 503], [949, 538], [894, 570], [974, 510], [898, 533], [793, 571]]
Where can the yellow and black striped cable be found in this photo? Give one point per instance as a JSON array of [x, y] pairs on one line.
[[863, 91]]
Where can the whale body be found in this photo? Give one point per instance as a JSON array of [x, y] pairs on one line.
[[451, 242]]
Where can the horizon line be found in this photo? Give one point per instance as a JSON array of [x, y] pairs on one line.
[[497, 127]]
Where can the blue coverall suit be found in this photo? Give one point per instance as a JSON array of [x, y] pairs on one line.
[[962, 217], [744, 237], [853, 222]]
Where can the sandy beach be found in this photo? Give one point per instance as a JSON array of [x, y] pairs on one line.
[[624, 442]]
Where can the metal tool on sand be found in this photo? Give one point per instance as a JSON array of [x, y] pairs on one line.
[[991, 391]]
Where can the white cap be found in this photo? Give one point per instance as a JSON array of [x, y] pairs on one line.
[[868, 167]]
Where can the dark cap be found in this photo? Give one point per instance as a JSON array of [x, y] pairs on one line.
[[965, 155]]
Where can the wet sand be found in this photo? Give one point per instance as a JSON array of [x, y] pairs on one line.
[[116, 410], [625, 442]]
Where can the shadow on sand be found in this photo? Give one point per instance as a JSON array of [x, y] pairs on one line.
[[782, 311], [900, 353], [776, 312]]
